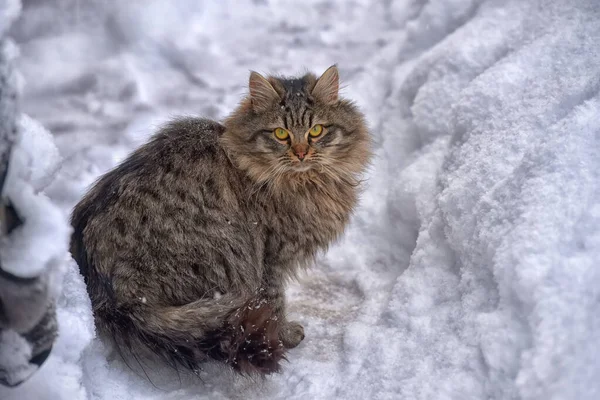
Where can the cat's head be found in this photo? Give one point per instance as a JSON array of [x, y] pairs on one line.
[[291, 128]]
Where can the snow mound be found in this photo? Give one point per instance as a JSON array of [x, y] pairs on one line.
[[498, 300], [34, 161]]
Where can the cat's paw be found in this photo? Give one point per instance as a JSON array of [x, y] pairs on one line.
[[291, 335]]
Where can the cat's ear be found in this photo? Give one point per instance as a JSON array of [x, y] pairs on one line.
[[328, 86], [262, 94]]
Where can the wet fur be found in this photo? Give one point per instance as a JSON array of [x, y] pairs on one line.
[[186, 246]]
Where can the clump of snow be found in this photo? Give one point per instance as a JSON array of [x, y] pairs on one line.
[[45, 230], [35, 156], [33, 163], [15, 354], [35, 249], [470, 271]]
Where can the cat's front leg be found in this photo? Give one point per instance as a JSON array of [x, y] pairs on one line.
[[291, 333]]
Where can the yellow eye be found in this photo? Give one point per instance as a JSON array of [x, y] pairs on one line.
[[316, 130], [281, 133]]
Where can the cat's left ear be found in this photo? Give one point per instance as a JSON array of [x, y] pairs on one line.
[[328, 86]]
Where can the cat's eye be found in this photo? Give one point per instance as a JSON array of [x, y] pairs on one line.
[[316, 130], [281, 133]]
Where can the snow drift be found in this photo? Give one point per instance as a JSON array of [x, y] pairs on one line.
[[470, 271]]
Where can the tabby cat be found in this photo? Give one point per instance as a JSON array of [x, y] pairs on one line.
[[186, 246]]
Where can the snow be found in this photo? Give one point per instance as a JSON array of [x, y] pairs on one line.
[[36, 154], [38, 247], [9, 11], [34, 253], [15, 354], [470, 270]]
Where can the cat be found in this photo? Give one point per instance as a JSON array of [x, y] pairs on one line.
[[186, 246]]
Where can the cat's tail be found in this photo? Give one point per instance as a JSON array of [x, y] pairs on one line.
[[242, 333]]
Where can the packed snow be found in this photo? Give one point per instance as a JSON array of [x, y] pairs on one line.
[[470, 270]]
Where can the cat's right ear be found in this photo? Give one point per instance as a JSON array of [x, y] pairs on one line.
[[262, 94]]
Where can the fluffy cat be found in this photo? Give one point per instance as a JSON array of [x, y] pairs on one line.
[[186, 246]]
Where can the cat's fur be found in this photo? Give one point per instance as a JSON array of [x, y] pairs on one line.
[[186, 246]]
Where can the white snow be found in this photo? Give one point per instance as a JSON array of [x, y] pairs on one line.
[[9, 11], [470, 270], [37, 247], [15, 353], [35, 153]]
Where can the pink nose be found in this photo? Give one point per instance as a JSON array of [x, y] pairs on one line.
[[300, 151]]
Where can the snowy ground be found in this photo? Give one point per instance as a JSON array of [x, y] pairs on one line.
[[471, 269]]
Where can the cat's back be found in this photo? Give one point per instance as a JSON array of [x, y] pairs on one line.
[[172, 181], [185, 149], [182, 143], [187, 137]]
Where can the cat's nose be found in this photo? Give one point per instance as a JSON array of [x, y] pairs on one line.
[[300, 151]]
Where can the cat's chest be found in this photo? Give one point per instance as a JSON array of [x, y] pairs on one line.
[[297, 230]]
